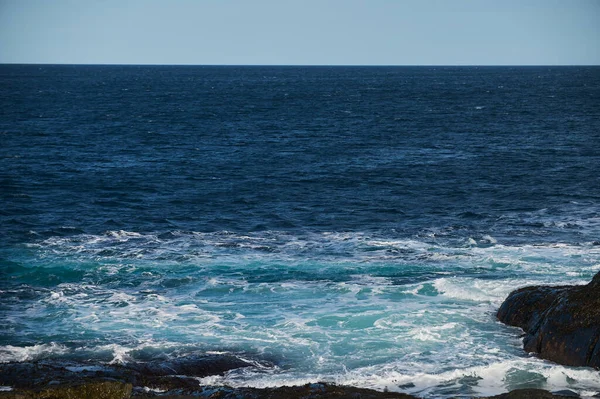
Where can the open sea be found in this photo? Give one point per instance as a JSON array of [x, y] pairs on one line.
[[357, 225]]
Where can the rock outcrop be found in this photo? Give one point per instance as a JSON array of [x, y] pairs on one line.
[[91, 390], [531, 394], [170, 374], [53, 380], [562, 324], [118, 390]]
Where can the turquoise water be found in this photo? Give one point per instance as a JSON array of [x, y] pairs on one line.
[[389, 313]]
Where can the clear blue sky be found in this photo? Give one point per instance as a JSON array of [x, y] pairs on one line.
[[301, 32]]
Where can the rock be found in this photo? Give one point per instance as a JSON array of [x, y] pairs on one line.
[[90, 390], [566, 392], [196, 366], [312, 391], [117, 390], [172, 374], [530, 394], [162, 379], [562, 324]]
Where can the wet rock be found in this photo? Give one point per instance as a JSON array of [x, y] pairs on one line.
[[174, 374], [562, 324], [168, 379], [90, 390], [120, 390], [566, 392], [312, 391], [197, 366], [530, 394]]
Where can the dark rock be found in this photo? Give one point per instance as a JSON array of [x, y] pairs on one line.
[[529, 394], [70, 380], [196, 366], [566, 392], [90, 390], [562, 324], [117, 390], [174, 374], [308, 391]]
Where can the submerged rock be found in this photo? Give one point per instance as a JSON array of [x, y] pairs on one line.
[[562, 324]]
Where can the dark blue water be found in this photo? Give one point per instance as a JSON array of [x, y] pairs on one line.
[[155, 207], [91, 148]]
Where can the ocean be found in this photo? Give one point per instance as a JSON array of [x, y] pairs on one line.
[[356, 225]]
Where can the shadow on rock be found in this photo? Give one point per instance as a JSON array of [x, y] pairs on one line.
[[175, 374], [562, 324]]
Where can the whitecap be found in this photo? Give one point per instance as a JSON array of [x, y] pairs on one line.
[[9, 353], [462, 288]]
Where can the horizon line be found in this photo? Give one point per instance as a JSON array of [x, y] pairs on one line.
[[299, 65]]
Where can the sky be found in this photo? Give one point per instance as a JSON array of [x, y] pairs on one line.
[[301, 32]]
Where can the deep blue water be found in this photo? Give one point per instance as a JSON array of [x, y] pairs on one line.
[[377, 216]]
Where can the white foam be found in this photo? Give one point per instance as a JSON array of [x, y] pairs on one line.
[[485, 380], [9, 353], [352, 308], [472, 289], [57, 297], [436, 333], [122, 354], [123, 235], [490, 239], [327, 246], [393, 322], [121, 297], [154, 390]]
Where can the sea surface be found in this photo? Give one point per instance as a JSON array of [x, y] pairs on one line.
[[357, 225]]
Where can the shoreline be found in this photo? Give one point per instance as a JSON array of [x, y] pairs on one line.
[[530, 308], [180, 379], [105, 389]]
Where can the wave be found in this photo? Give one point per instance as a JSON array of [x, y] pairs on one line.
[[485, 380], [353, 246], [418, 377], [10, 353], [349, 307]]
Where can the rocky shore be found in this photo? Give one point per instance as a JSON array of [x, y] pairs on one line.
[[120, 390], [170, 380], [561, 324]]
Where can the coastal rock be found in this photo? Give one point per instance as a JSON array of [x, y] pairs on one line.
[[308, 391], [562, 324], [196, 366], [95, 390], [162, 379], [117, 390], [531, 394], [169, 374]]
